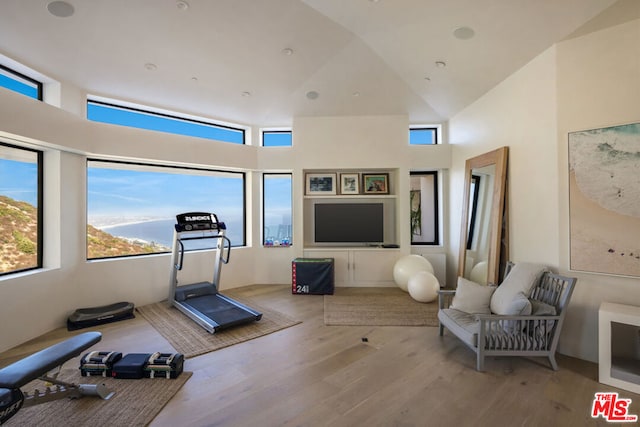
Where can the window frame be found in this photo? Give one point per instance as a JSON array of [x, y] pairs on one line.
[[243, 174], [436, 209], [19, 76], [166, 115], [275, 131], [39, 208], [436, 129], [264, 224]]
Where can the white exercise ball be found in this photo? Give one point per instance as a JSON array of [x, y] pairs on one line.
[[423, 286], [407, 266], [479, 273]]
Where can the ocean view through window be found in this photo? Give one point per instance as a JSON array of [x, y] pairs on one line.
[[20, 209], [277, 209], [131, 208]]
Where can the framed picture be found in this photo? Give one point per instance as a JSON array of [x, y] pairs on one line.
[[604, 202], [321, 183], [375, 183], [349, 183]]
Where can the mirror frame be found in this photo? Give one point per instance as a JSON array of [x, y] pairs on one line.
[[498, 233]]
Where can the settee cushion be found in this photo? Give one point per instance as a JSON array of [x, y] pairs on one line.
[[511, 297], [463, 325], [471, 297]]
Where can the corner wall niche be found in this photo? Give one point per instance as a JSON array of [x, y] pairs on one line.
[[350, 208]]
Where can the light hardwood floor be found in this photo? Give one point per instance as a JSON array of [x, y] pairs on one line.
[[317, 375]]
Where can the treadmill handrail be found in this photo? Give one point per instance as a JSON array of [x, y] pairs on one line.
[[178, 266], [226, 244]]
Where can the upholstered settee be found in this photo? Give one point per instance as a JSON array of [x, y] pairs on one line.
[[522, 316]]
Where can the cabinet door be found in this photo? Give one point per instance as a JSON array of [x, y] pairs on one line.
[[341, 263], [374, 266]]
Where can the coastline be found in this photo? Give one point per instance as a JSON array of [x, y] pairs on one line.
[[601, 241], [130, 222]]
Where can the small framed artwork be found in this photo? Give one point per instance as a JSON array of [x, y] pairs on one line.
[[375, 183], [321, 184], [349, 183]]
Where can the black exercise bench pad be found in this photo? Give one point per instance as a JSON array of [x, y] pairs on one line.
[[38, 364]]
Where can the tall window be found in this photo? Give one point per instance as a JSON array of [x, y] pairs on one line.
[[20, 83], [424, 208], [20, 209], [424, 135], [137, 118], [276, 208], [131, 208], [276, 138]]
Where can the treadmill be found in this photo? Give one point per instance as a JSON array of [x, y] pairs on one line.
[[201, 301]]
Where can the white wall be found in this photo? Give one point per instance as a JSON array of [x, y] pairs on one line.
[[586, 82], [598, 86]]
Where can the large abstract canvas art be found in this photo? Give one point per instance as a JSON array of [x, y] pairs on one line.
[[604, 200]]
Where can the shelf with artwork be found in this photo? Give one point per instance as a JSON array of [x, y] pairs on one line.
[[350, 208]]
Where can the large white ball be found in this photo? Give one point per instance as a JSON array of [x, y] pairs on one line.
[[407, 266], [479, 273], [423, 286]]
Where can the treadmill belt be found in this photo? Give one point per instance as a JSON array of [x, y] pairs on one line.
[[219, 310]]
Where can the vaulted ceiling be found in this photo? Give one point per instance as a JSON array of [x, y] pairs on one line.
[[263, 62]]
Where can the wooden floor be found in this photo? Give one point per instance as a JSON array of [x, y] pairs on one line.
[[317, 375]]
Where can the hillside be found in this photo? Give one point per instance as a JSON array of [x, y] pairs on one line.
[[18, 235], [19, 238], [101, 244]]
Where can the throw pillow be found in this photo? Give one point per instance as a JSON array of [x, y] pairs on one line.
[[507, 299], [472, 297], [539, 308]]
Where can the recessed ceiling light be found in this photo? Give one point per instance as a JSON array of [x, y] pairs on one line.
[[182, 5], [287, 51], [355, 94], [246, 94], [441, 64], [150, 66], [194, 79], [61, 9], [312, 94], [464, 33]]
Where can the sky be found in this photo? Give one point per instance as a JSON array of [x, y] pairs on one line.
[[130, 193], [19, 180]]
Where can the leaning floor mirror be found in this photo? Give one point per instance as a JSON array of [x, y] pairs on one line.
[[484, 240]]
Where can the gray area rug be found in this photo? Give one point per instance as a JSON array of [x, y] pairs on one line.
[[377, 307]]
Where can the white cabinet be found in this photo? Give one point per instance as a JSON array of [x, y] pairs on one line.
[[618, 346], [359, 267]]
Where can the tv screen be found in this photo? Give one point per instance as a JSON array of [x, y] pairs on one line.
[[349, 222]]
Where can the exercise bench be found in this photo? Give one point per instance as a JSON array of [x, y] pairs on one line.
[[37, 366]]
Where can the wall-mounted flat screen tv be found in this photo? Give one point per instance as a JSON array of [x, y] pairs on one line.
[[349, 223]]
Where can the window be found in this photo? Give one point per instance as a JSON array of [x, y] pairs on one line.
[[424, 135], [137, 118], [276, 209], [20, 83], [424, 208], [20, 209], [131, 208], [277, 138]]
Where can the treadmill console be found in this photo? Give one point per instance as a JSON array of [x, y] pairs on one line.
[[198, 221]]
